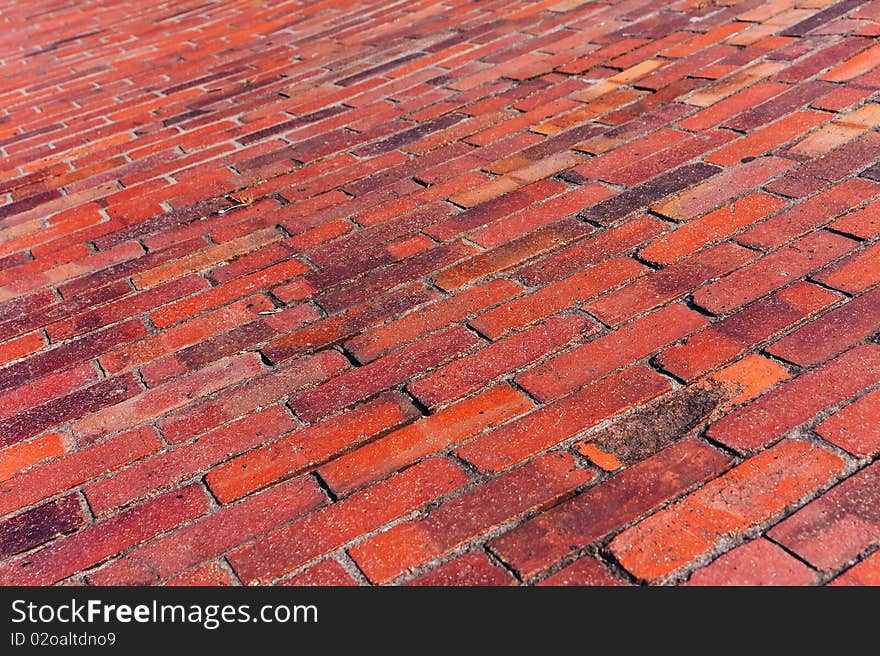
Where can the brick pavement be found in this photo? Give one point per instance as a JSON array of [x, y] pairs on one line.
[[552, 292]]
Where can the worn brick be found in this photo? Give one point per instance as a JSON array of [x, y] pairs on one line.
[[562, 419], [665, 285], [40, 525], [604, 354], [429, 435], [605, 508]]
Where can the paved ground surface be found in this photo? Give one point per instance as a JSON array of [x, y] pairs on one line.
[[426, 292]]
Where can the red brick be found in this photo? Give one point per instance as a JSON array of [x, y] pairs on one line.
[[166, 398], [866, 572], [582, 572], [604, 354], [654, 165], [731, 106], [557, 297], [470, 569], [853, 67], [513, 253], [44, 389], [769, 138], [308, 448], [478, 369], [590, 251], [378, 341], [425, 437], [628, 153], [830, 167], [83, 402], [748, 496], [556, 422], [710, 229], [794, 403], [40, 525], [69, 354], [125, 307], [326, 573], [772, 272], [326, 530], [533, 486], [170, 467], [24, 455], [726, 340], [257, 391], [831, 333], [539, 215], [813, 213], [751, 376], [853, 427], [759, 562], [205, 258], [331, 330], [864, 223], [836, 527], [661, 287], [105, 539], [384, 373], [211, 536], [212, 574], [20, 347], [728, 184], [495, 209], [599, 511], [376, 282], [186, 334], [854, 274]]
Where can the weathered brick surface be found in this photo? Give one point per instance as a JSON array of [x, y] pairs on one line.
[[439, 293]]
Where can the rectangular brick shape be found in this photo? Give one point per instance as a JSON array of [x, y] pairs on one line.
[[376, 342], [660, 287], [328, 529], [310, 447], [797, 401], [831, 333], [383, 373], [838, 526], [424, 437], [746, 329], [604, 354], [772, 272], [746, 497], [40, 525], [626, 497], [213, 535], [532, 486], [553, 423], [557, 297], [105, 539]]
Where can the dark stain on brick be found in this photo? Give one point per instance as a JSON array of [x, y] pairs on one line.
[[39, 525], [655, 426]]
